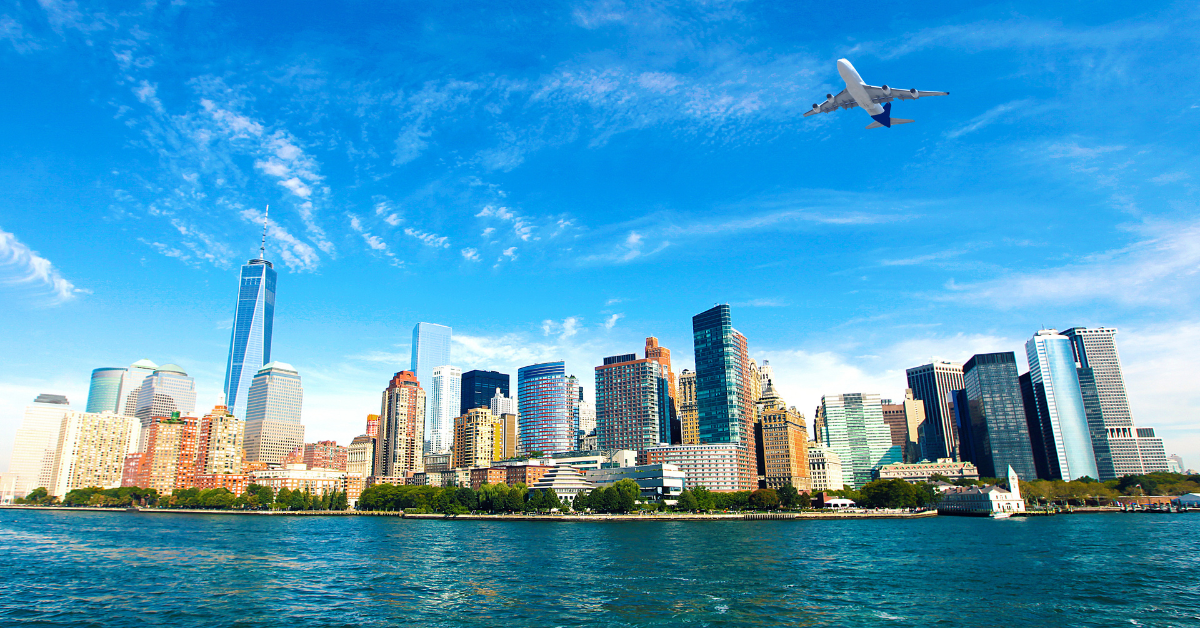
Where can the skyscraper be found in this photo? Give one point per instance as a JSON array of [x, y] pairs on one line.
[[104, 393], [430, 348], [501, 404], [36, 441], [999, 432], [662, 355], [934, 384], [1116, 442], [633, 408], [253, 320], [273, 407], [445, 395], [400, 446], [686, 403], [784, 443], [544, 400], [169, 389], [478, 388], [131, 386], [91, 451], [719, 390], [1060, 411], [854, 429]]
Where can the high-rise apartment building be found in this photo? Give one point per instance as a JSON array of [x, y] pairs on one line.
[[784, 441], [400, 447], [430, 349], [897, 422], [253, 323], [996, 413], [854, 429], [273, 407], [91, 451], [169, 459], [35, 443], [544, 399], [326, 454], [724, 411], [501, 404], [220, 444], [662, 355], [478, 388], [686, 403], [1062, 420], [445, 395], [169, 389], [1115, 443], [373, 425], [934, 384], [633, 403], [481, 438]]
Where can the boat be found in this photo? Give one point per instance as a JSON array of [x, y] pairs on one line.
[[1000, 515]]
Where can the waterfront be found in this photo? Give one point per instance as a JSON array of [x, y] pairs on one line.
[[118, 569]]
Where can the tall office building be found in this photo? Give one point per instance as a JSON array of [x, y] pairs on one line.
[[445, 395], [500, 404], [722, 415], [689, 426], [783, 443], [360, 456], [430, 349], [478, 388], [273, 406], [91, 451], [544, 399], [1154, 455], [1115, 441], [169, 389], [253, 322], [897, 422], [1065, 436], [104, 392], [766, 375], [35, 442], [996, 414], [400, 446], [633, 404], [131, 386], [934, 384], [854, 429]]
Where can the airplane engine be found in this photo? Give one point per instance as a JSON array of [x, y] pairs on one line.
[[913, 91], [887, 91], [828, 97], [816, 106]]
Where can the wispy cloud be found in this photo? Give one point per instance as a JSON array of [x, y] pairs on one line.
[[1006, 111], [470, 254], [611, 321], [1171, 177], [21, 266], [429, 239]]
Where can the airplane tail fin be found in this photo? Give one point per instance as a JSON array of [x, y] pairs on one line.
[[894, 121]]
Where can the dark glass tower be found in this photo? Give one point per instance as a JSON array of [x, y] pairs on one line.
[[995, 413], [478, 388], [719, 379], [253, 318]]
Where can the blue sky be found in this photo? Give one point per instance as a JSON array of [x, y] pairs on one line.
[[558, 181]]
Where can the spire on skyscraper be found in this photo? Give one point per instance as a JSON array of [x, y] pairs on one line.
[[262, 249]]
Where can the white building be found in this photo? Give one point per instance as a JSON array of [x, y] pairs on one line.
[[445, 397], [915, 472], [131, 386], [657, 481], [566, 482], [824, 468], [587, 416], [715, 466], [983, 500], [273, 405], [36, 441], [91, 451], [298, 477], [504, 405], [167, 390]]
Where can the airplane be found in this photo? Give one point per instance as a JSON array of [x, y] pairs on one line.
[[859, 94]]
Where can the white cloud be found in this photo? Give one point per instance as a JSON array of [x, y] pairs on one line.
[[295, 253], [1171, 177], [1159, 269], [999, 112], [611, 321], [470, 254], [20, 265], [429, 239]]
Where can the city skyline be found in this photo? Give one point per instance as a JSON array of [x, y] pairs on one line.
[[544, 170]]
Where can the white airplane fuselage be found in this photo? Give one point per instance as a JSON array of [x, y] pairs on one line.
[[854, 85]]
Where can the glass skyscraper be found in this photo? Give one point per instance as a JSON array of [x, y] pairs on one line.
[[719, 379], [104, 393], [478, 388], [1066, 437], [854, 428], [444, 398], [995, 412], [250, 344], [544, 401], [274, 400], [934, 384], [430, 349]]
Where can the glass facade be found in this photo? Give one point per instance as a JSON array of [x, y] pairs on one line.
[[444, 396], [544, 401], [855, 431], [478, 388], [999, 433], [934, 384], [718, 378], [1095, 420], [1065, 430], [633, 405], [250, 344], [104, 393], [430, 349]]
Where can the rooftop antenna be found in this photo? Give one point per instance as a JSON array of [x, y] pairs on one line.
[[262, 249]]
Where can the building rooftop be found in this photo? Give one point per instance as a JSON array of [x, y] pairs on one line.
[[171, 368]]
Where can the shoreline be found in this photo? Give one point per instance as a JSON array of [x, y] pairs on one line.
[[753, 516]]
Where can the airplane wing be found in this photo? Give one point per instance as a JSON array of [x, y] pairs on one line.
[[843, 100], [887, 94]]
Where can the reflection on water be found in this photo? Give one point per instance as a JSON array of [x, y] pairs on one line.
[[126, 569]]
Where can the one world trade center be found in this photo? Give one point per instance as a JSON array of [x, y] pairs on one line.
[[250, 346]]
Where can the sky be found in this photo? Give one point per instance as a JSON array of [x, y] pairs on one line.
[[562, 180]]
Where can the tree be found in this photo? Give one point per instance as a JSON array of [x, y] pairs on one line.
[[36, 496], [764, 499], [283, 498], [466, 498], [789, 497], [704, 498], [890, 494], [583, 500], [627, 492], [687, 502]]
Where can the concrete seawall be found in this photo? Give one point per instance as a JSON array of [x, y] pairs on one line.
[[751, 516]]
